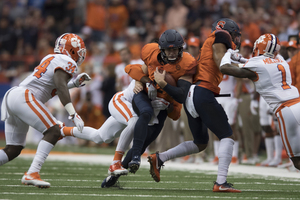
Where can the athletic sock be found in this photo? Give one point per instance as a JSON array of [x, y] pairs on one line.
[[235, 152], [117, 157], [183, 149], [42, 153], [3, 157], [225, 156], [269, 143], [278, 147], [216, 147]]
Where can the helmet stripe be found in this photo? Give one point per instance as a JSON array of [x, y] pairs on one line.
[[273, 44]]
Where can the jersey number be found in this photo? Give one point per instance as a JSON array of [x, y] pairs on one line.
[[283, 73], [42, 68]]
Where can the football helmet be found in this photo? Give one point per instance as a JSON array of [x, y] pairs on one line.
[[171, 39], [267, 45], [71, 45], [231, 27]]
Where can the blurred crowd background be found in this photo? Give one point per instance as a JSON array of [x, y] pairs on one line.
[[29, 28]]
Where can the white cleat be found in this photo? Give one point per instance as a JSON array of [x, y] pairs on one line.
[[265, 162], [285, 165], [34, 179]]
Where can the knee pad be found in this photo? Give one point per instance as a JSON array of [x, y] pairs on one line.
[[12, 151]]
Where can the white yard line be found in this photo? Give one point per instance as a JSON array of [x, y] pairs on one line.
[[233, 169]]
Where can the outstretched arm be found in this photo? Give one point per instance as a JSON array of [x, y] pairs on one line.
[[227, 68]]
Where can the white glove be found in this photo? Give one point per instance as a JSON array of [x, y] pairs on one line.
[[160, 104], [253, 107], [76, 119], [237, 56], [152, 92], [78, 81]]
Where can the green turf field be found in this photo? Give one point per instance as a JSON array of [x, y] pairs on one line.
[[76, 180]]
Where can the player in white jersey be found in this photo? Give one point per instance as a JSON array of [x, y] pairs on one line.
[[272, 78], [23, 106], [230, 105], [122, 78], [120, 123]]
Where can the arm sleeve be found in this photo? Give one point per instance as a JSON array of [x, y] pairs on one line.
[[178, 93], [135, 71]]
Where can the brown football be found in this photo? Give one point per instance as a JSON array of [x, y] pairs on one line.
[[170, 80]]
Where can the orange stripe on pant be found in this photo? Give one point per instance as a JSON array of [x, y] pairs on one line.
[[284, 134], [43, 110], [35, 110], [123, 105]]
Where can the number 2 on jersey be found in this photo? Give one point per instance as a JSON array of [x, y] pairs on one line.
[[283, 72], [42, 68]]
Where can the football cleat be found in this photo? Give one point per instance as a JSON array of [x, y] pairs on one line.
[[117, 169], [34, 179], [225, 187], [154, 166], [110, 181], [133, 166]]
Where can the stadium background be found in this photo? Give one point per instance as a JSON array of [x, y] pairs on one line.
[[29, 28]]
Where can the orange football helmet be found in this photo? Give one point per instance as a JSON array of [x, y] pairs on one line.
[[71, 45], [267, 45]]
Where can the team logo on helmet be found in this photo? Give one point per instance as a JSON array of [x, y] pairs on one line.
[[220, 25]]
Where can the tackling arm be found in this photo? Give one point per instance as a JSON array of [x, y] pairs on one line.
[[61, 79], [227, 68]]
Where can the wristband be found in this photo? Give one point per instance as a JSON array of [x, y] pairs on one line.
[[71, 84], [226, 59], [70, 108]]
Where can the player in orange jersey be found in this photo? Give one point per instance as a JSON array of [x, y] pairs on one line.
[[202, 108]]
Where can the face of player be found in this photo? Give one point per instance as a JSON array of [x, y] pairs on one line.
[[172, 53]]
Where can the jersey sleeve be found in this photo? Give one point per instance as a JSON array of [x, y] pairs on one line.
[[135, 71], [223, 37], [66, 64]]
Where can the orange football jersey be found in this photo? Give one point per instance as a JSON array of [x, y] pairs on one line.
[[208, 72], [186, 66]]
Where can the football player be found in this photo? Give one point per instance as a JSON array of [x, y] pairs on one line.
[[121, 123], [201, 106], [167, 56], [272, 78], [23, 106]]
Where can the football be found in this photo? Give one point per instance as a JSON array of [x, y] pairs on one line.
[[170, 80]]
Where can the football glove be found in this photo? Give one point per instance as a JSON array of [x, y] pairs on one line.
[[160, 104], [152, 92], [76, 119], [237, 56], [78, 81]]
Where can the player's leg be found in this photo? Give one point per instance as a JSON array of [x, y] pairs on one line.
[[265, 120], [35, 114], [145, 113], [288, 120], [212, 113], [15, 137]]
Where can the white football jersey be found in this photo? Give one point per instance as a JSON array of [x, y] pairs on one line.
[[227, 85], [122, 75], [274, 79], [40, 82]]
